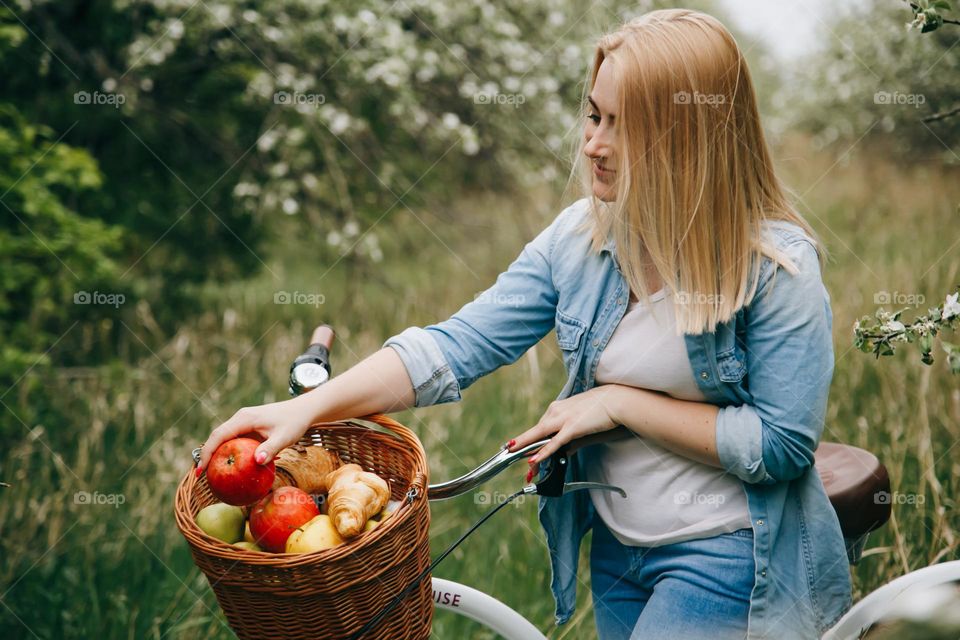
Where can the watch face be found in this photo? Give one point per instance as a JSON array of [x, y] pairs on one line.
[[310, 374]]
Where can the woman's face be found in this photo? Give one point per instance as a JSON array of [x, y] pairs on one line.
[[599, 133]]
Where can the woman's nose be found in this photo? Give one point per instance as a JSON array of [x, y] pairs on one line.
[[596, 147]]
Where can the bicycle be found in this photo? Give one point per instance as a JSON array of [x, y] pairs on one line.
[[855, 481]]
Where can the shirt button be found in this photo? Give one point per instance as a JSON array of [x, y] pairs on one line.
[[760, 522], [596, 343], [619, 301], [704, 375], [764, 573]]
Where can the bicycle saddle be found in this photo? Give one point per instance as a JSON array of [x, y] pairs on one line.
[[857, 484]]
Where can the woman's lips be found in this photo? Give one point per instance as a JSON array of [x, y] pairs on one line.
[[602, 173]]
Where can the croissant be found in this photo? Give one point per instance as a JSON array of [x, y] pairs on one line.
[[306, 467], [354, 496]]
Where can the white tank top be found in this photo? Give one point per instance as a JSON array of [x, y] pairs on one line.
[[670, 498]]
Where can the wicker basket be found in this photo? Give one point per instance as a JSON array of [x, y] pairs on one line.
[[334, 592]]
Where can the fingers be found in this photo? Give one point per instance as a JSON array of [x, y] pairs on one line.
[[534, 470], [541, 431], [550, 448], [226, 431], [525, 438], [271, 447]]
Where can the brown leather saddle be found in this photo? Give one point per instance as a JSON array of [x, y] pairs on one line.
[[859, 489]]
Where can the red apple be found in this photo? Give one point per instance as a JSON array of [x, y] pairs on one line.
[[235, 477], [280, 513]]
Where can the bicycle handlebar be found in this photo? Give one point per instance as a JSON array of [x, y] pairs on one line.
[[312, 368]]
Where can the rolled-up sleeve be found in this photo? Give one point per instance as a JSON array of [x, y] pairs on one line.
[[790, 362], [494, 329], [433, 381]]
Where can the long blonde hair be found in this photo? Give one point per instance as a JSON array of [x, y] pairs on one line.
[[695, 178]]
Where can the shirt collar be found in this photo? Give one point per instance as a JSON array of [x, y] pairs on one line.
[[609, 245]]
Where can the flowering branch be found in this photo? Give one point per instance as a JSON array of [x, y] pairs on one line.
[[881, 333], [927, 17]]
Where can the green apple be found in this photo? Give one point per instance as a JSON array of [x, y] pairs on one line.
[[222, 521]]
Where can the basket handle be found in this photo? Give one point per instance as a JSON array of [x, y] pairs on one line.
[[420, 480]]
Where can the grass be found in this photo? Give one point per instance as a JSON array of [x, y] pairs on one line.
[[122, 570]]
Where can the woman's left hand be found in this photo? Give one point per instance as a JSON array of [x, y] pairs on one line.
[[579, 415]]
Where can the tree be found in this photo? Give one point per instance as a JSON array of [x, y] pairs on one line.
[[888, 81], [54, 259]]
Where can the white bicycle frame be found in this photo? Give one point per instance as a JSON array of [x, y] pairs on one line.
[[484, 609], [893, 598]]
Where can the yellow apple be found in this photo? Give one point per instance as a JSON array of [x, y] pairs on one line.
[[371, 525], [247, 536], [249, 546], [319, 533], [388, 508]]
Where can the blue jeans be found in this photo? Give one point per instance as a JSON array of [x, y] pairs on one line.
[[693, 589]]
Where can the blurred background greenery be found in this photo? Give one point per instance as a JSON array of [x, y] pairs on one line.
[[170, 169]]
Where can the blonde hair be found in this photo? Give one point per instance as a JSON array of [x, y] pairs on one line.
[[695, 178]]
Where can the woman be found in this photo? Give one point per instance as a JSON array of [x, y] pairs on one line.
[[698, 369]]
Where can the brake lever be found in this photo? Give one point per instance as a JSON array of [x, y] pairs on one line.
[[554, 483]]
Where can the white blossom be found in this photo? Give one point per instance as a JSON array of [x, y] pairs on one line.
[[951, 307]]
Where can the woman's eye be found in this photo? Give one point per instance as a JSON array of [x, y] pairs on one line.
[[595, 118]]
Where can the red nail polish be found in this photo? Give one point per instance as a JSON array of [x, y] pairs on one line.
[[531, 460], [511, 443], [530, 475], [199, 471]]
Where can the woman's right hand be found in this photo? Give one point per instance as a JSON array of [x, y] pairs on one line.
[[278, 425]]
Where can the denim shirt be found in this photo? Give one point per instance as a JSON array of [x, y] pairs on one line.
[[768, 370]]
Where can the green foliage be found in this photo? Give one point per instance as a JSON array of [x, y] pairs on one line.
[[163, 141], [49, 252]]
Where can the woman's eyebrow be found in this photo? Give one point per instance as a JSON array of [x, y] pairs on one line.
[[609, 116]]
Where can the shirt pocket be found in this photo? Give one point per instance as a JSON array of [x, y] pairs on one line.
[[731, 366], [570, 332], [731, 356]]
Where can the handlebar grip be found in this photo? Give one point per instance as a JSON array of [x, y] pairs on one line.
[[312, 367], [323, 335]]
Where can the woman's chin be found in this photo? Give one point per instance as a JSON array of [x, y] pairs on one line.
[[604, 192]]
